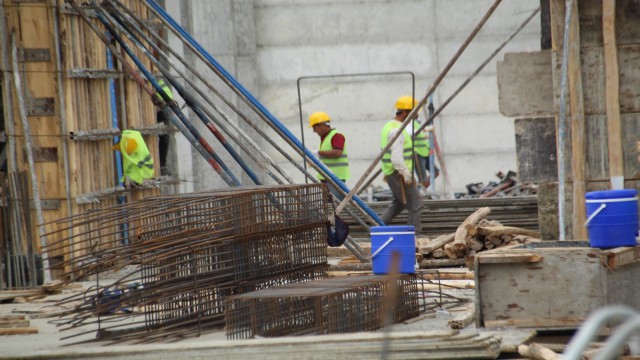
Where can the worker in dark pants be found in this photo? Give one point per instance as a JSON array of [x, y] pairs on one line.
[[163, 139], [332, 151], [397, 167]]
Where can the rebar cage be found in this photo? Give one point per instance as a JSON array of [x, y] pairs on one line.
[[191, 252]]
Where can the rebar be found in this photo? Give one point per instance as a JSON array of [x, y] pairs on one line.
[[189, 253], [333, 305]]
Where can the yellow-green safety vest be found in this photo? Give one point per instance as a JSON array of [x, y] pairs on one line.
[[420, 141], [387, 166], [138, 165], [166, 89], [338, 166]]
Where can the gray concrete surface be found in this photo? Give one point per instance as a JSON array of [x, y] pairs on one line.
[[48, 342]]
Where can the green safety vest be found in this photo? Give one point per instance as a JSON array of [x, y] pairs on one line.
[[420, 141], [338, 166], [166, 89], [139, 164], [387, 166]]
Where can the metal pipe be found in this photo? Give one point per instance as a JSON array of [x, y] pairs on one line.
[[589, 330], [421, 103], [562, 120], [275, 123], [227, 177], [190, 100], [300, 79], [32, 170], [207, 99]]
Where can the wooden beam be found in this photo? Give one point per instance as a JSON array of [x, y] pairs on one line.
[[612, 103], [508, 258], [578, 127]]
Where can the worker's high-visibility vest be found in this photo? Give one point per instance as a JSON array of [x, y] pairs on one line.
[[387, 166], [420, 141], [166, 89], [138, 165], [338, 166]]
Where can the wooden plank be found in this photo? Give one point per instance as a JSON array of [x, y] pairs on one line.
[[536, 323], [12, 294], [34, 55], [507, 258], [19, 331], [14, 324], [621, 256], [578, 127], [612, 103]]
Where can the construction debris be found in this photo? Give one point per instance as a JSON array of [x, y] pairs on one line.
[[507, 186]]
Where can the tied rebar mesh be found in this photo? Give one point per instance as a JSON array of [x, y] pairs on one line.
[[333, 305], [191, 252]]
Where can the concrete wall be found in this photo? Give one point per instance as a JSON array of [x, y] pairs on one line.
[[270, 44]]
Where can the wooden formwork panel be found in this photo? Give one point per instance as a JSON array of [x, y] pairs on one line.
[[79, 104]]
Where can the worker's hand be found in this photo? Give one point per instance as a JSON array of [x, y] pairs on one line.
[[315, 153], [406, 176]]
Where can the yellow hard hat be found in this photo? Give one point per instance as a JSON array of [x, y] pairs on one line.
[[131, 146], [318, 118], [406, 103]]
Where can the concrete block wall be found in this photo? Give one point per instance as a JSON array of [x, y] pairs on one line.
[[269, 44]]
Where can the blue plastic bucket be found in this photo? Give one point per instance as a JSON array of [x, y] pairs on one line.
[[612, 218], [387, 239]]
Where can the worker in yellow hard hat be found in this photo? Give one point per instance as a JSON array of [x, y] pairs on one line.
[[397, 166], [136, 160], [333, 147]]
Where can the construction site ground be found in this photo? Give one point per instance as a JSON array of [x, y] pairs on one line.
[[47, 343]]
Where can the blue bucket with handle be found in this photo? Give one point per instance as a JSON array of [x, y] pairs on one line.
[[388, 239], [612, 218]]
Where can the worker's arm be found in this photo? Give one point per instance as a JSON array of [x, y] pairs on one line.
[[331, 154]]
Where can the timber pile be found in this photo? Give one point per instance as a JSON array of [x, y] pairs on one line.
[[474, 234], [444, 216], [16, 325]]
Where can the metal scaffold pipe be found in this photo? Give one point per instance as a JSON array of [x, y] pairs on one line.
[[212, 158], [190, 100], [420, 104], [253, 150], [263, 112]]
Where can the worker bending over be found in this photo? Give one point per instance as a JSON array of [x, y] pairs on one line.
[[137, 163], [397, 167], [333, 147]]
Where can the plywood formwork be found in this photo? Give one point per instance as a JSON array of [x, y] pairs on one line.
[[602, 108], [66, 82]]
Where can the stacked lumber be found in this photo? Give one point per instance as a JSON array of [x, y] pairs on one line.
[[474, 234], [444, 216]]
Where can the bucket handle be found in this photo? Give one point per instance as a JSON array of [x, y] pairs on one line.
[[595, 213], [382, 247]]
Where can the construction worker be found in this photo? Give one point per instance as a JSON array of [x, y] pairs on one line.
[[422, 156], [137, 163], [163, 139], [397, 167], [333, 150]]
